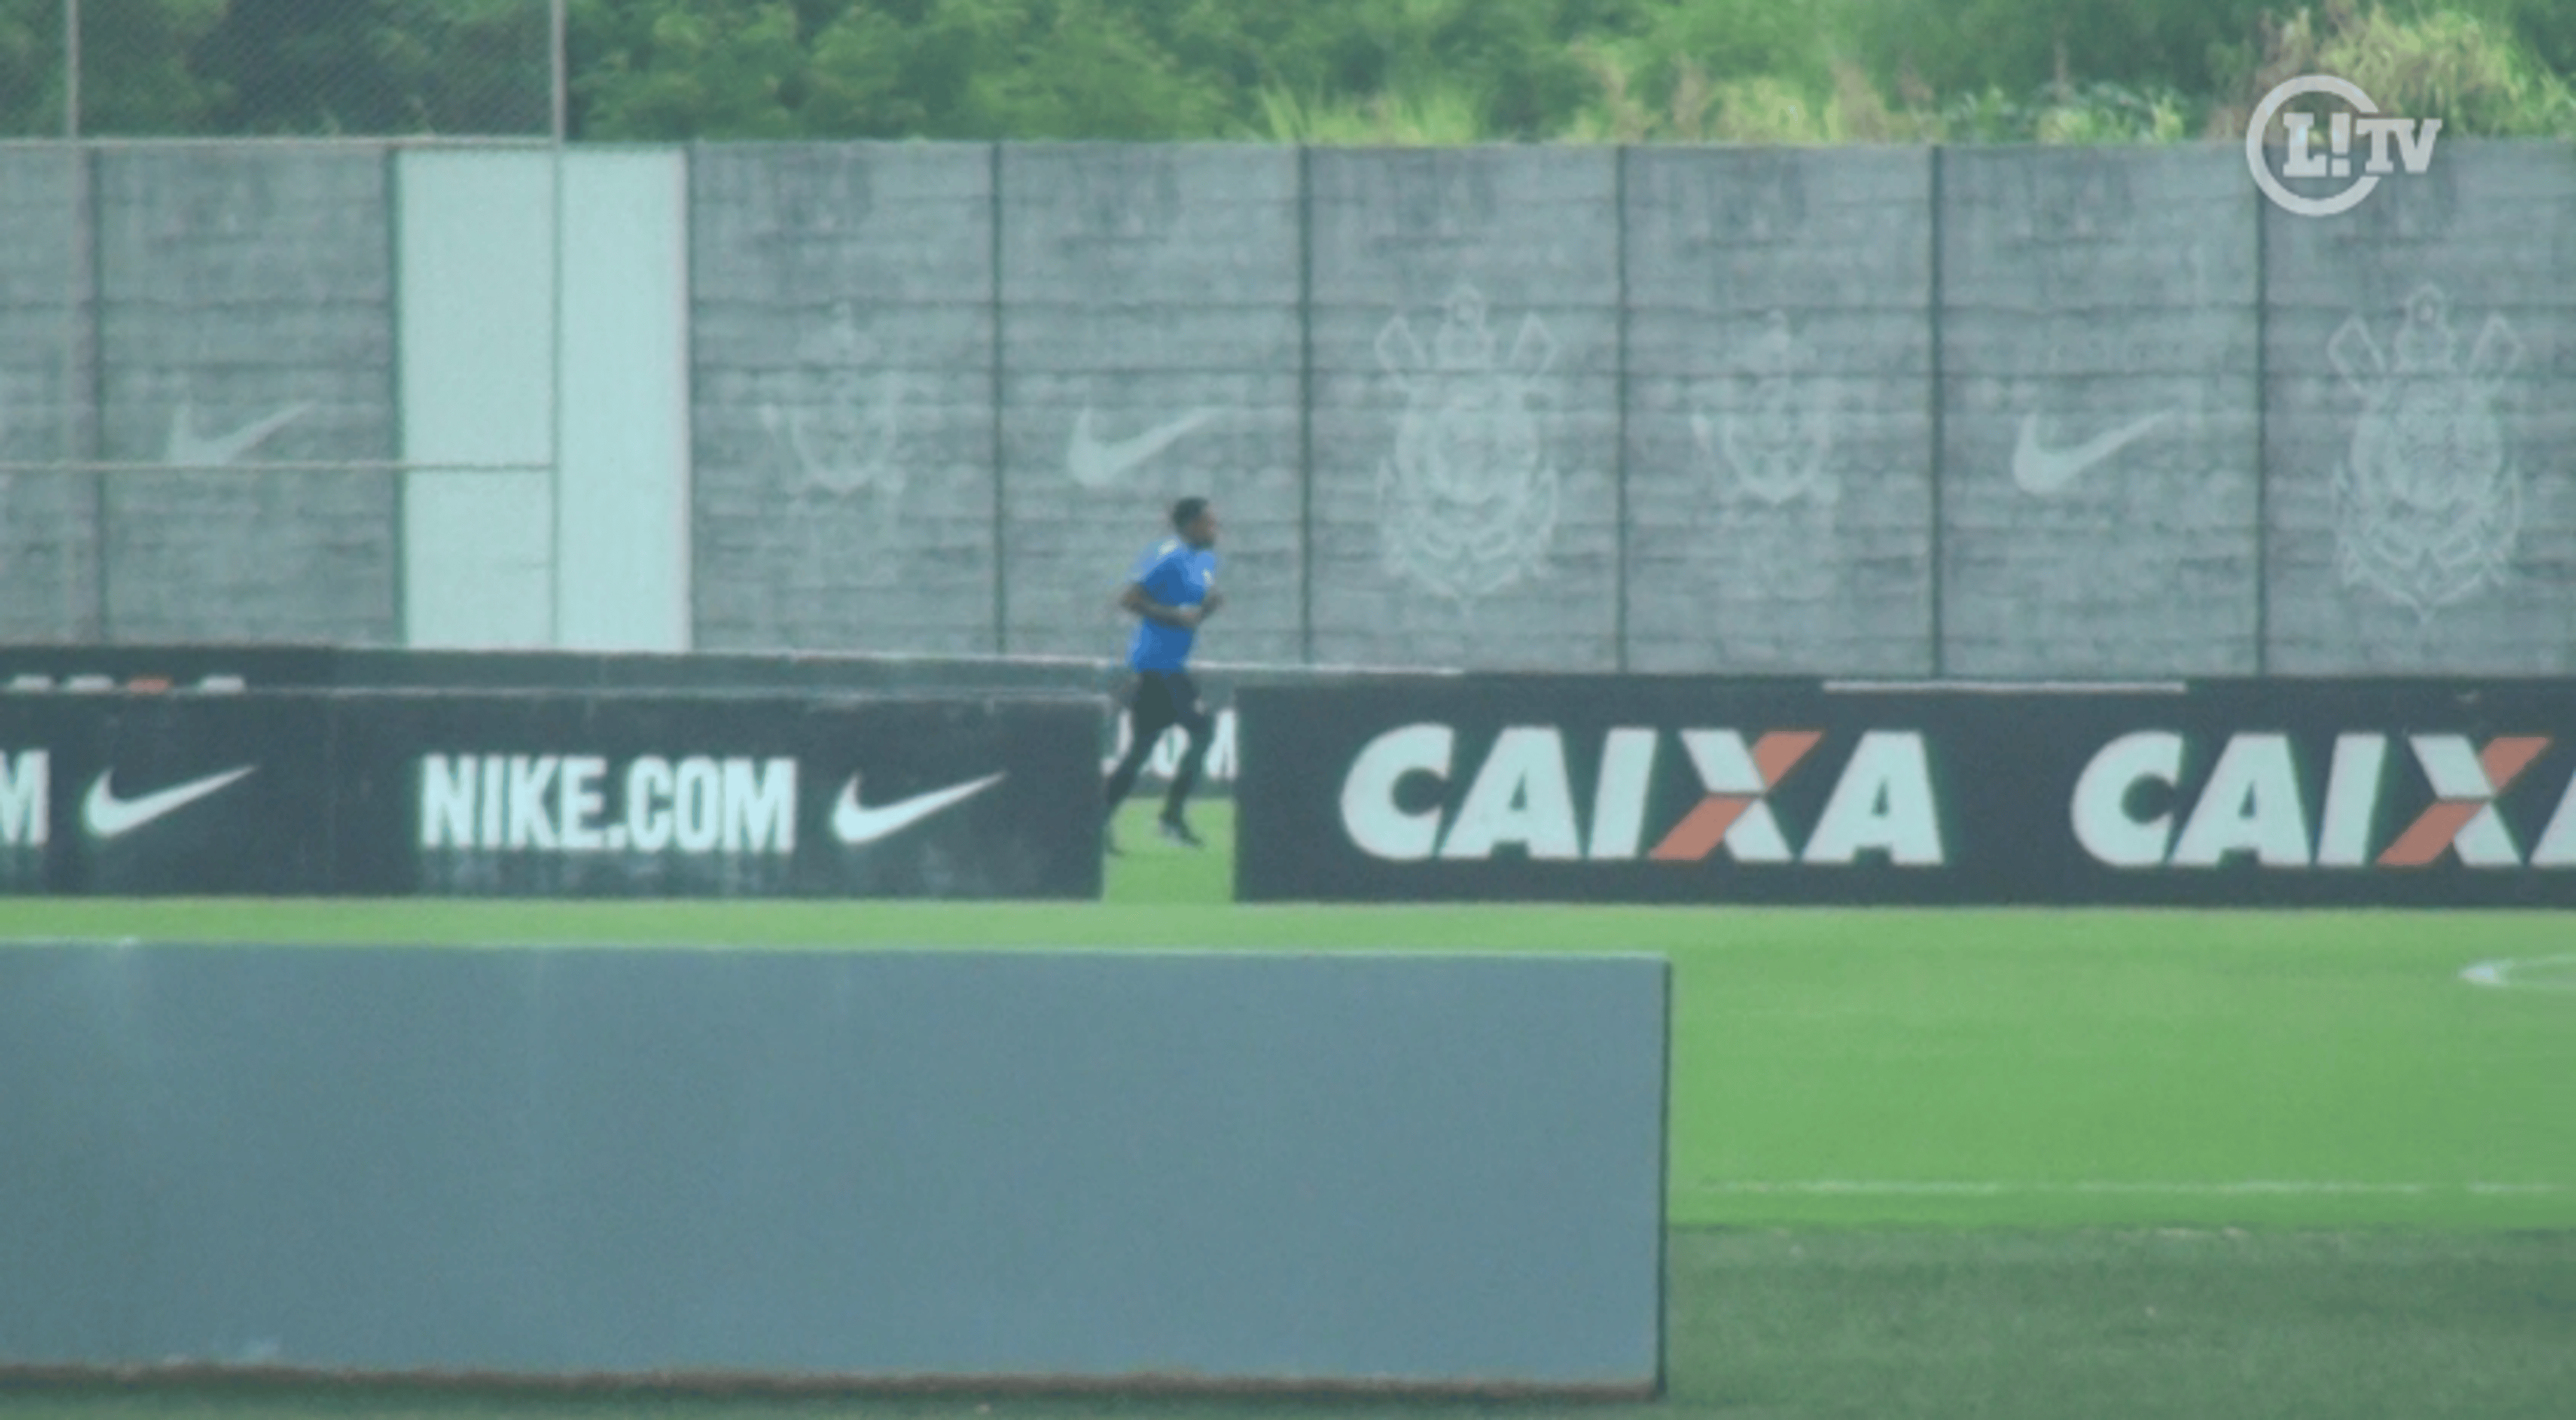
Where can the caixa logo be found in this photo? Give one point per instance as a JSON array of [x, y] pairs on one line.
[[2253, 803], [550, 803], [1520, 795]]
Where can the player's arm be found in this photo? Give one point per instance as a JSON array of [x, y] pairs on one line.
[[1134, 600]]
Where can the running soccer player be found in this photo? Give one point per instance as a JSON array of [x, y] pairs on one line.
[[1171, 591]]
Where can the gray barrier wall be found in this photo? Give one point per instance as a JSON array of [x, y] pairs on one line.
[[2009, 412], [2083, 300], [1779, 466], [842, 321], [48, 525], [2418, 361], [1355, 1170], [1150, 341]]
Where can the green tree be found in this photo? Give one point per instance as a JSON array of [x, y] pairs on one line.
[[379, 67], [136, 77], [31, 68], [2478, 76], [1389, 71], [676, 69]]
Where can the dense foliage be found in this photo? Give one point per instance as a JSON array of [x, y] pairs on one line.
[[1379, 71]]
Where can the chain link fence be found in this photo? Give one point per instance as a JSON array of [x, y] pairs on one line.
[[194, 343], [264, 68]]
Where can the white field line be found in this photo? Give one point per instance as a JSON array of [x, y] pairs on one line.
[[2526, 973], [1903, 1188]]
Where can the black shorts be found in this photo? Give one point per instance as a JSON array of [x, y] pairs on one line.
[[1162, 699]]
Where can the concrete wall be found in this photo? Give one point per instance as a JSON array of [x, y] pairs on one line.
[[2419, 355], [246, 318], [1150, 350], [1465, 320], [1779, 436], [1370, 1170], [2098, 307], [842, 318], [2020, 412], [48, 519]]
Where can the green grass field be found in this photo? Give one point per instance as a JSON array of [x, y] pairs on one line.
[[1990, 1163]]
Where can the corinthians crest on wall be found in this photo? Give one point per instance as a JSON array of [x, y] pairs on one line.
[[835, 418], [2429, 503], [1468, 497], [1773, 448]]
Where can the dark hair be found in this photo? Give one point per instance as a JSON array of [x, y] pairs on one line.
[[1186, 512]]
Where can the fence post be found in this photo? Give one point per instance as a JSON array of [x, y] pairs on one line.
[[2262, 435], [1940, 400], [559, 59], [1306, 401], [71, 69], [1001, 492], [554, 407], [1619, 451]]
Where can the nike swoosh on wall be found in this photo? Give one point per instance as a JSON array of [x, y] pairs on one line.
[[1094, 464], [107, 816], [190, 449], [855, 823], [2043, 471]]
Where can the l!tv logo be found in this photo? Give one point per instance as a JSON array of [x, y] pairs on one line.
[[2360, 144]]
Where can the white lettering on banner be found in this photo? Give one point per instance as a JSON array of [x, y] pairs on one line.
[[1619, 796], [2557, 847], [2101, 812], [760, 813], [2452, 768], [496, 772], [648, 804], [1726, 767], [2254, 804], [2251, 805], [579, 802], [1521, 796], [530, 776], [1369, 812], [2352, 800], [1883, 803], [559, 803], [697, 806], [446, 801], [26, 798]]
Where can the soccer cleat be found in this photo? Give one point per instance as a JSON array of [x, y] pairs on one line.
[[1175, 831]]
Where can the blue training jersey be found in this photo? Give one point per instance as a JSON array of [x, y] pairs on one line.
[[1176, 574]]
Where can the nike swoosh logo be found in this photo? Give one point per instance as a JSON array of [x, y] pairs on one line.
[[108, 816], [190, 449], [1094, 464], [2044, 471], [855, 823]]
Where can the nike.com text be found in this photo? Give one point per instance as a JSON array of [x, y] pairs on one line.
[[559, 803], [24, 798]]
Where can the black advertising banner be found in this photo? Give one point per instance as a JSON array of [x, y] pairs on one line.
[[67, 669], [734, 796], [164, 794], [41, 668], [395, 793], [1649, 789]]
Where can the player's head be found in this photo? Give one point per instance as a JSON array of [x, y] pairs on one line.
[[1195, 521]]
